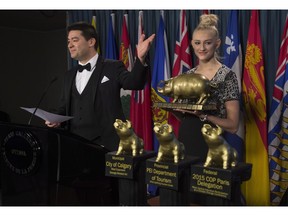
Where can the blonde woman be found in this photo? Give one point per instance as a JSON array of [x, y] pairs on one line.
[[205, 43]]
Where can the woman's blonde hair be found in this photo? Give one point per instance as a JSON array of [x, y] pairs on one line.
[[208, 21]]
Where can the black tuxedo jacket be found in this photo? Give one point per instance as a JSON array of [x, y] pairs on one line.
[[110, 77]]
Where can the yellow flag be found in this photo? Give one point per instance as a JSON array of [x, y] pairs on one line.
[[93, 22], [256, 189]]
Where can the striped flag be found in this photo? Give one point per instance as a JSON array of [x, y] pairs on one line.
[[182, 59], [278, 126], [161, 71], [127, 58], [233, 60], [140, 105], [93, 22], [256, 189], [111, 50]]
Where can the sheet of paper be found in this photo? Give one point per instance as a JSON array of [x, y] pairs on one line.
[[47, 116]]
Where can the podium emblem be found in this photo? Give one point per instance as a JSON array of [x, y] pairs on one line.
[[20, 151]]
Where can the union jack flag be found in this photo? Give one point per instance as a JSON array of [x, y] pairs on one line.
[[182, 58]]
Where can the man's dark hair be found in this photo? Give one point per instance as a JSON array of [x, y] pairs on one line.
[[88, 31]]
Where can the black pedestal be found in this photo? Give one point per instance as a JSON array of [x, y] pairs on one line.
[[130, 171], [219, 187], [172, 179]]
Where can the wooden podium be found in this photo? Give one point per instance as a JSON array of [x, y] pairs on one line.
[[45, 166]]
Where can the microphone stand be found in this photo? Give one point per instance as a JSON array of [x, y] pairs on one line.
[[42, 97]]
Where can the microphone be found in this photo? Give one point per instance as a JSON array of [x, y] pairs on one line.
[[42, 97]]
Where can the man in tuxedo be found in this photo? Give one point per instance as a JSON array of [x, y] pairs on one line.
[[91, 91]]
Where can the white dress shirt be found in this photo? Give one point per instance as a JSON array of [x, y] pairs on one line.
[[83, 77]]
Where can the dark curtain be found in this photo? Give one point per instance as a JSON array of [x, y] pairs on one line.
[[271, 27]]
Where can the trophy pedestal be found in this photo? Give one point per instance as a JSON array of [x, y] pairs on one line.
[[172, 180], [130, 171], [221, 187]]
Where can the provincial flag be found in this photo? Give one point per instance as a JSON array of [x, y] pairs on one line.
[[140, 105], [127, 58], [233, 60], [256, 189], [161, 71], [278, 126], [125, 47], [93, 22], [111, 50], [182, 59]]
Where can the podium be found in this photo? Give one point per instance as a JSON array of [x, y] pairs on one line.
[[46, 166]]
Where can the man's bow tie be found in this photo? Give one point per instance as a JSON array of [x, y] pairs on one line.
[[82, 67]]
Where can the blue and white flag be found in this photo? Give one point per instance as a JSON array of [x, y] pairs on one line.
[[111, 51], [233, 60]]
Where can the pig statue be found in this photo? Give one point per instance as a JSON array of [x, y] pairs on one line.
[[220, 153], [170, 149], [130, 143], [186, 86]]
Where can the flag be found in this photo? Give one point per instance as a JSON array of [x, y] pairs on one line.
[[161, 71], [140, 105], [93, 22], [233, 60], [111, 51], [206, 11], [182, 59], [127, 58], [256, 189], [125, 47], [278, 126]]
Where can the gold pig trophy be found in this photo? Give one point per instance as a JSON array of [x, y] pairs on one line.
[[170, 149], [195, 87], [220, 153], [130, 143]]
